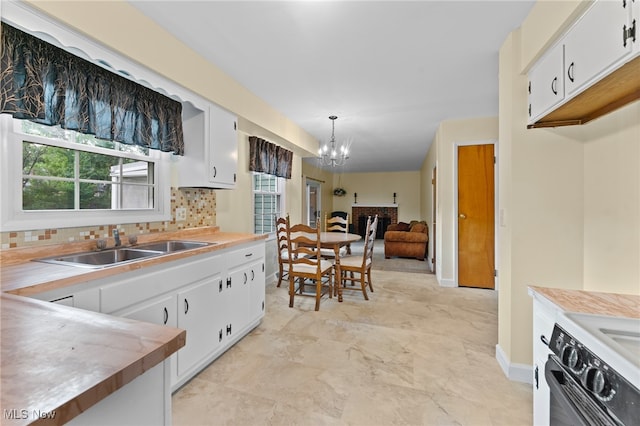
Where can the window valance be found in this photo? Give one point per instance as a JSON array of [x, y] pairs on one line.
[[43, 83], [266, 157]]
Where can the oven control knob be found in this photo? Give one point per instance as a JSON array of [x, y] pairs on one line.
[[596, 381], [572, 358]]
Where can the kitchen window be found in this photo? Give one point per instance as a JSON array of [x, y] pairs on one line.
[[56, 178], [268, 202]]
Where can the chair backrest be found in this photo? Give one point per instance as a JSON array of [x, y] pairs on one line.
[[304, 245], [281, 238], [336, 224], [370, 238]]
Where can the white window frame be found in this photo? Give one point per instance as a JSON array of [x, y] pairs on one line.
[[14, 218], [280, 191]]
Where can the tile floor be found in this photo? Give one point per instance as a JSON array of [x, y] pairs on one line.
[[414, 354]]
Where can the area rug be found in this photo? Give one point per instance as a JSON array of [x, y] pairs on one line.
[[398, 264]]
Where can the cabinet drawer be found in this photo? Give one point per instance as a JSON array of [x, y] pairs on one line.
[[246, 254]]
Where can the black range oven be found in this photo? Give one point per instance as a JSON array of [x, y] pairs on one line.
[[584, 390]]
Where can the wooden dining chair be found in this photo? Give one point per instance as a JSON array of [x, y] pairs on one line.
[[336, 224], [283, 249], [358, 268], [306, 263]]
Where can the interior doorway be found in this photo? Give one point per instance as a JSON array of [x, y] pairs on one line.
[[313, 198], [476, 215]]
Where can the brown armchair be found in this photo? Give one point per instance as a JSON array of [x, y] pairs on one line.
[[406, 240]]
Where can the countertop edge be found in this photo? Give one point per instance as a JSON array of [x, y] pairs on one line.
[[589, 302], [27, 278]]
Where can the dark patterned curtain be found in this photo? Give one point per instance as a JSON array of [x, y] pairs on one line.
[[48, 85], [266, 157]]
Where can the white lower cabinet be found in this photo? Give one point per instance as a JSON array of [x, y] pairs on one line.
[[216, 297], [198, 307], [244, 284], [257, 290]]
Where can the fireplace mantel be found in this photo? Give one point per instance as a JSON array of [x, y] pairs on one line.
[[387, 214]]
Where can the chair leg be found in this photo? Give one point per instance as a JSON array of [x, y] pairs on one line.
[[363, 285], [369, 279], [318, 293], [280, 273], [292, 290]]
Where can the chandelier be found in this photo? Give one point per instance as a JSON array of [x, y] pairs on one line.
[[331, 154]]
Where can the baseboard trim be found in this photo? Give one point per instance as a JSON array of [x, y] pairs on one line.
[[515, 372], [272, 279], [447, 283]]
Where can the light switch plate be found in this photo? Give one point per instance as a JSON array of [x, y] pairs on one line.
[[181, 214]]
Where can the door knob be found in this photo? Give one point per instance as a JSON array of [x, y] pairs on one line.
[[462, 216]]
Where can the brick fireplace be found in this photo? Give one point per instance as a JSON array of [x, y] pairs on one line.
[[387, 214]]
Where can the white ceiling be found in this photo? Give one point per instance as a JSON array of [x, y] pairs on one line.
[[390, 70]]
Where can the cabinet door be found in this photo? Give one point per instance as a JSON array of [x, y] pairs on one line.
[[256, 290], [158, 311], [546, 83], [197, 310], [595, 45], [223, 147], [236, 297]]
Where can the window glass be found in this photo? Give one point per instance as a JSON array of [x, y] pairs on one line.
[[81, 174], [268, 198], [44, 160]]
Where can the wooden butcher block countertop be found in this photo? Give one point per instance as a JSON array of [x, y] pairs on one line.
[[19, 275], [62, 359]]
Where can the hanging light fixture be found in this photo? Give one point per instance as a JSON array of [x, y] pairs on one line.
[[331, 154]]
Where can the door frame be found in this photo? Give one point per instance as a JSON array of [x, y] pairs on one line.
[[495, 206], [308, 184]]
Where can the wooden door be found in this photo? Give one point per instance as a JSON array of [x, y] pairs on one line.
[[476, 216]]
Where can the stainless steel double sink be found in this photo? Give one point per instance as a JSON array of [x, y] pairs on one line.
[[120, 255]]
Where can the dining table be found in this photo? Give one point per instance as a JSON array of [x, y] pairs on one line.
[[336, 240]]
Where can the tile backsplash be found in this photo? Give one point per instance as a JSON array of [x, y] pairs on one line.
[[200, 204]]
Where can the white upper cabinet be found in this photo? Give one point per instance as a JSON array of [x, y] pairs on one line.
[[546, 83], [223, 145], [592, 69], [210, 157], [597, 43]]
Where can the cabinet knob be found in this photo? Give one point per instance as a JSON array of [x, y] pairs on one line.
[[462, 216]]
